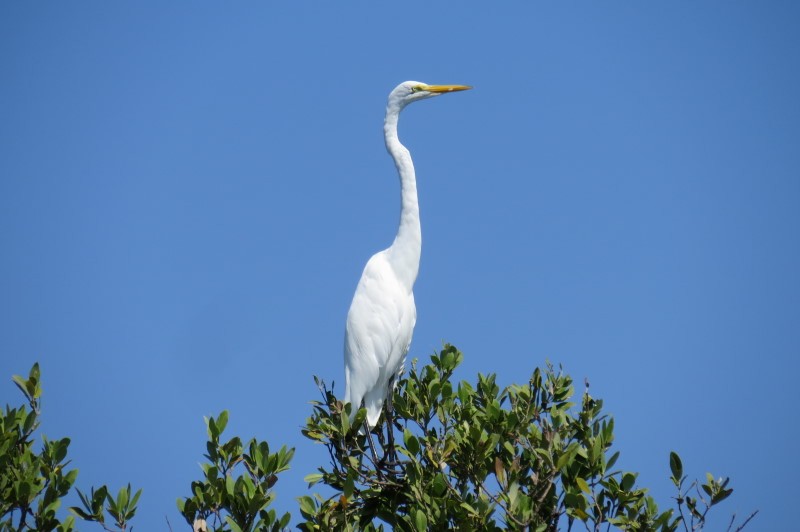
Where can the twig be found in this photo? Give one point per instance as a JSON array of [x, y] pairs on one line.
[[740, 527], [494, 500]]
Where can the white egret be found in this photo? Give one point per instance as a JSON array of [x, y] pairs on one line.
[[382, 315]]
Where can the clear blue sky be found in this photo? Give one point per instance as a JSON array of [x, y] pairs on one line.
[[189, 191]]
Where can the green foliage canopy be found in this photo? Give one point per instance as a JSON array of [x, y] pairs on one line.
[[468, 456], [478, 457]]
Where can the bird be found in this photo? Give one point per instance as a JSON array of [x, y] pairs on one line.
[[382, 315]]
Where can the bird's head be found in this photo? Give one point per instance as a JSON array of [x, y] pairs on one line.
[[411, 91]]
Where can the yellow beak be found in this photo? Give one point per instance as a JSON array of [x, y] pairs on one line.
[[445, 88]]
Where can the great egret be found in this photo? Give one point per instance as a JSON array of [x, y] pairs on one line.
[[382, 315]]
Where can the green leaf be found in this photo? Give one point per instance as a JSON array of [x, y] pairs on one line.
[[439, 485], [449, 360], [411, 442], [574, 500], [583, 485], [122, 497], [676, 466], [721, 496], [230, 486], [81, 513], [469, 509], [133, 502], [350, 483], [61, 450], [628, 480], [213, 433], [21, 384], [579, 513], [70, 477], [499, 471], [222, 421], [612, 460], [568, 456], [30, 422], [421, 520], [307, 506], [312, 479], [465, 391], [99, 496], [35, 374], [232, 524]]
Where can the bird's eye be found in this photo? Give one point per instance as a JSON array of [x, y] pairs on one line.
[[416, 88]]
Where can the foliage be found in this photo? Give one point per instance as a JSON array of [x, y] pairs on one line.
[[99, 502], [467, 456], [478, 457], [32, 484], [236, 503]]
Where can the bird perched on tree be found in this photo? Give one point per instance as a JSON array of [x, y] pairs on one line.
[[381, 319]]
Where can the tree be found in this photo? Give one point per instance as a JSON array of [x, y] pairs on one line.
[[33, 483], [236, 490], [478, 457], [468, 455]]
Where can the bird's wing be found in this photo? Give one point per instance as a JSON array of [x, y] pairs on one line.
[[404, 333], [378, 331]]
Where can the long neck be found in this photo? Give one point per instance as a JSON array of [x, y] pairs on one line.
[[405, 251]]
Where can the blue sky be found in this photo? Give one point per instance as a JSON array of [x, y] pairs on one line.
[[189, 191]]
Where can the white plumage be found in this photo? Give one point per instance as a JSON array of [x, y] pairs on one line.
[[381, 319]]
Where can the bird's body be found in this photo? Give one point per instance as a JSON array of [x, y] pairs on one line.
[[382, 316], [378, 334]]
